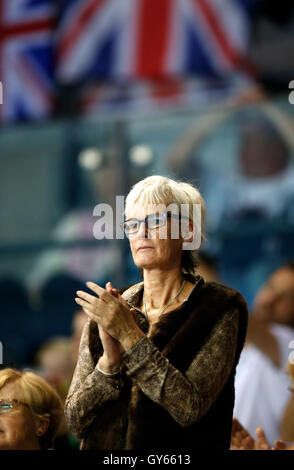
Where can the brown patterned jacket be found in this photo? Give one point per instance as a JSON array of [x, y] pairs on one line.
[[176, 385]]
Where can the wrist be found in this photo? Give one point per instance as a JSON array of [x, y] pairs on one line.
[[131, 339], [107, 366]]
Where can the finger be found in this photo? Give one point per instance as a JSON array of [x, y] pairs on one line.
[[93, 308], [102, 293], [88, 297], [134, 313], [115, 293], [260, 434], [262, 441], [108, 286]]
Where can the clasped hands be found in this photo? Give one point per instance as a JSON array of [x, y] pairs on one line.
[[115, 319]]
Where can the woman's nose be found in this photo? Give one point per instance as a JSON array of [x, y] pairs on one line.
[[143, 231]]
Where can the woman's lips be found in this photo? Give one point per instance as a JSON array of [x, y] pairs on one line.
[[145, 248]]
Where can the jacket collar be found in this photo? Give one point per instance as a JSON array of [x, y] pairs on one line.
[[133, 293]]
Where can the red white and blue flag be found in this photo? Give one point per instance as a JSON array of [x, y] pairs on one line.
[[26, 59], [135, 39]]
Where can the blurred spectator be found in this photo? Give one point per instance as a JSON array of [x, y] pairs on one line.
[[56, 358], [80, 262], [55, 363], [30, 411], [261, 385], [97, 177], [263, 184], [17, 332], [55, 307]]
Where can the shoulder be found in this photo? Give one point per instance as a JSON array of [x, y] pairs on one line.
[[223, 303], [233, 306], [224, 295]]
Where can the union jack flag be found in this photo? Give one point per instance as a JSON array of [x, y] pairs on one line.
[[143, 96], [134, 39], [26, 59]]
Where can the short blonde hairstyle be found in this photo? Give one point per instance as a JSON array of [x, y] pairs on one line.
[[42, 399], [158, 189]]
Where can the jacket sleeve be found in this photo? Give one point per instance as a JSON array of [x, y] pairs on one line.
[[90, 390], [186, 397]]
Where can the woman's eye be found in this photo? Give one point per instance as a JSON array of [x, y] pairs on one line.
[[133, 226], [154, 220]]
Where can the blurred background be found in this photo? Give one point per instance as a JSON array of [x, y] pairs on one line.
[[98, 94]]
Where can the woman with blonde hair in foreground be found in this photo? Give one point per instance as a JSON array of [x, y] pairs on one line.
[[30, 411], [157, 360]]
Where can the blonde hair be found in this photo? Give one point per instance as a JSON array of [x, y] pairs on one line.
[[158, 189], [42, 399]]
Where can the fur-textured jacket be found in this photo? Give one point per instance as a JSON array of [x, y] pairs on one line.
[[175, 389]]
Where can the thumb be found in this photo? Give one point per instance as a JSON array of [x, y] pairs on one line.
[[108, 286], [134, 313], [262, 440]]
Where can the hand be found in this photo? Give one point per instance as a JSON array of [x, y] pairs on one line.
[[111, 313], [261, 442], [281, 445], [112, 349], [111, 359], [242, 440], [240, 437]]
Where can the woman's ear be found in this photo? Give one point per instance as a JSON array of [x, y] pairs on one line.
[[42, 425]]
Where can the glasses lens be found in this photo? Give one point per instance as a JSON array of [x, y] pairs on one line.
[[5, 406], [131, 226], [155, 220]]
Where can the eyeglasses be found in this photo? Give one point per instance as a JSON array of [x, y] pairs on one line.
[[152, 221], [7, 405]]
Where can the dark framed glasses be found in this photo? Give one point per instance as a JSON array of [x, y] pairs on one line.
[[151, 221], [8, 405]]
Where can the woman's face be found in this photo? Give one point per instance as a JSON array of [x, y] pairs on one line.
[[154, 249], [18, 430]]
